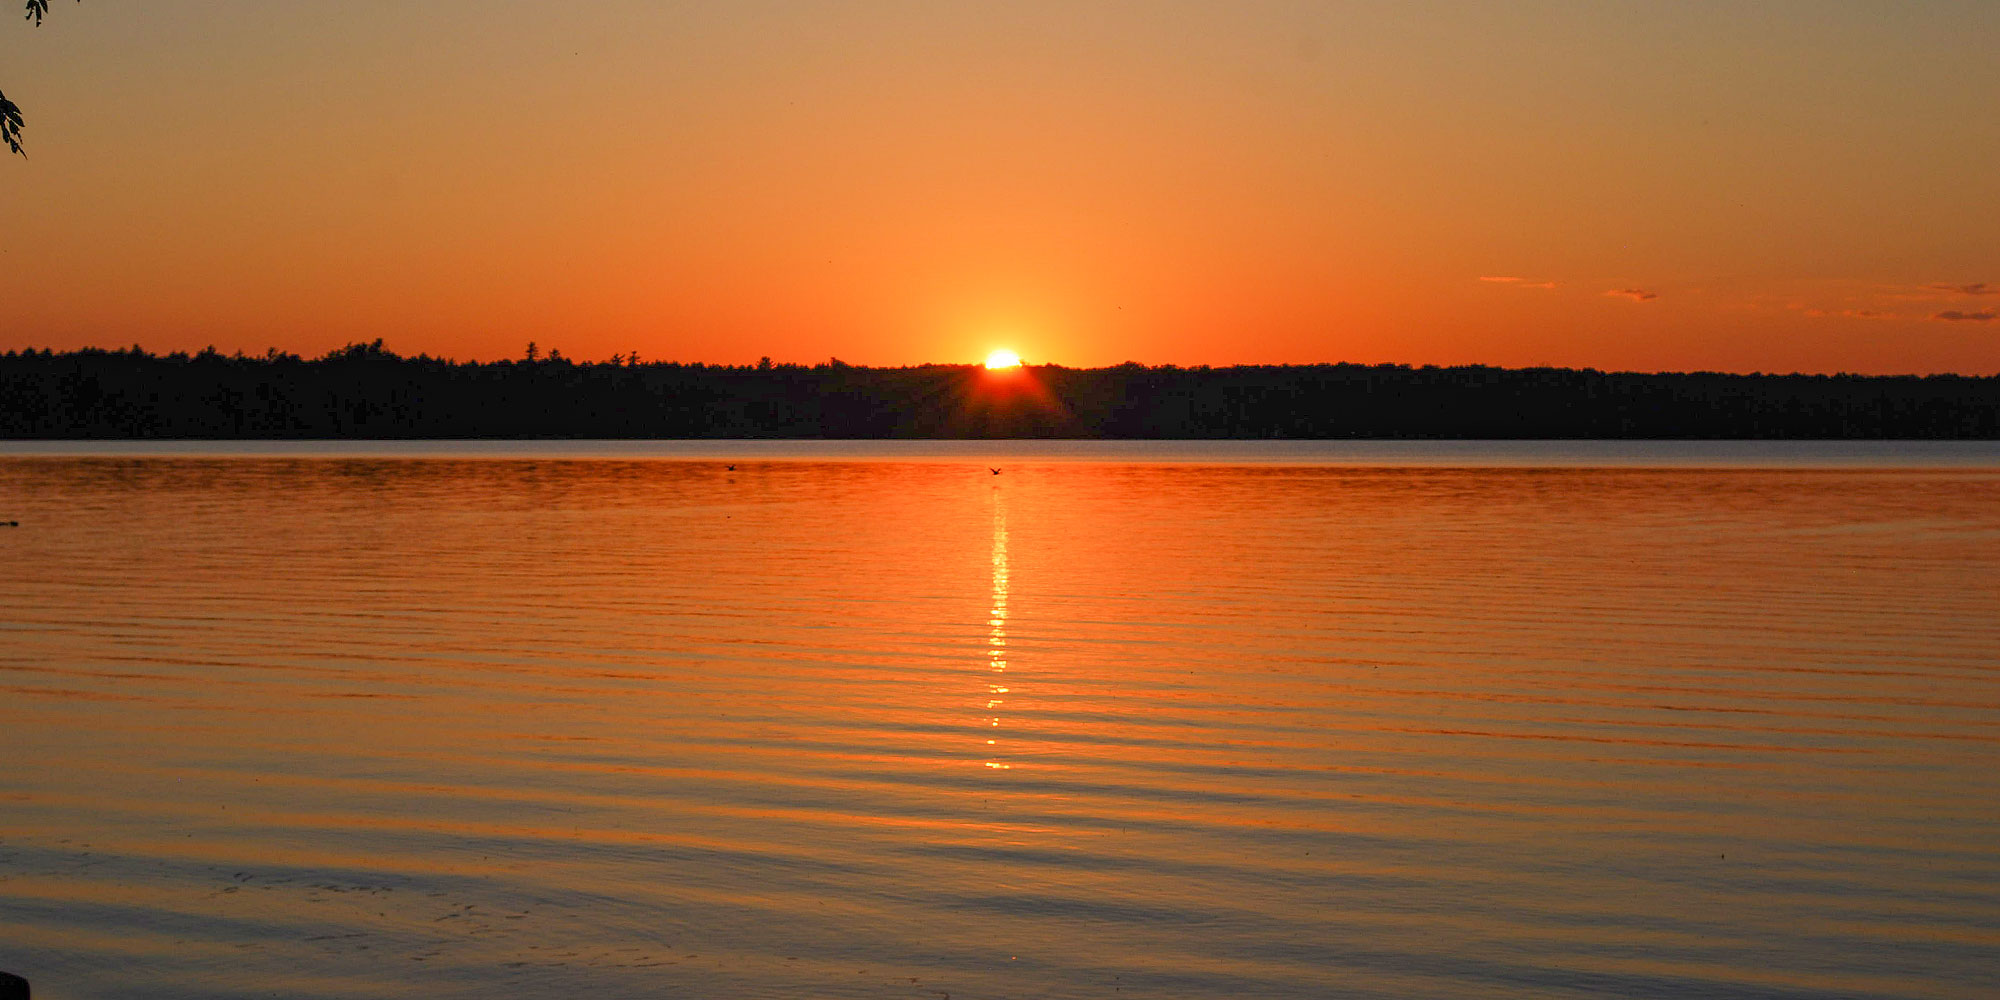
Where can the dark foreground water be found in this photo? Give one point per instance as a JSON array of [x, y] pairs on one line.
[[870, 721]]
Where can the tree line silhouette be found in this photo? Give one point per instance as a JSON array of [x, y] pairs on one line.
[[367, 391]]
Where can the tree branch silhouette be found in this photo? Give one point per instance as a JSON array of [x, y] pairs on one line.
[[10, 113]]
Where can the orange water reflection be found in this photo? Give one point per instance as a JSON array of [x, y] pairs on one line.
[[1224, 731]]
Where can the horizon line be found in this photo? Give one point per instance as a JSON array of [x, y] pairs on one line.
[[377, 351]]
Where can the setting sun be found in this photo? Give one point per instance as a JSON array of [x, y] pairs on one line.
[[1003, 358]]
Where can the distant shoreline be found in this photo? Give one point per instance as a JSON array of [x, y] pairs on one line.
[[365, 393], [745, 456]]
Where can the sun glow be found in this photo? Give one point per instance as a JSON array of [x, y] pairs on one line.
[[1003, 358]]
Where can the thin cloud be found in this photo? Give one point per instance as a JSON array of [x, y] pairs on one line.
[[1635, 294], [1846, 313], [1955, 316], [1976, 288], [1516, 282]]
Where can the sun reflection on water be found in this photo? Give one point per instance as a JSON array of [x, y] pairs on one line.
[[996, 637]]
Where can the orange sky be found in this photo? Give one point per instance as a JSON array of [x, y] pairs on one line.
[[1810, 186]]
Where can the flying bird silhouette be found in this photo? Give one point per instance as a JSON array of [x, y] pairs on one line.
[[993, 470]]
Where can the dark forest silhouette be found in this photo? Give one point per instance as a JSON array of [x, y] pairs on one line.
[[367, 391]]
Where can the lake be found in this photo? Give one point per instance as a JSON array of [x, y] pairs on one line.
[[1151, 719]]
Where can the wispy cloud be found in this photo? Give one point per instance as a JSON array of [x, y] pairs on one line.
[[1955, 316], [1516, 282], [1976, 288], [1635, 294], [1846, 313], [1498, 279]]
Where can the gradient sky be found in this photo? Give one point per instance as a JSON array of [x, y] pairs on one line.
[[1778, 187]]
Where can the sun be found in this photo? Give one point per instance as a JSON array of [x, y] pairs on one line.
[[1003, 358]]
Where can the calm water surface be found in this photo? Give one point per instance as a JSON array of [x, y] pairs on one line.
[[1188, 721]]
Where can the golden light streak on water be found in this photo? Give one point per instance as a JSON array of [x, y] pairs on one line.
[[996, 638]]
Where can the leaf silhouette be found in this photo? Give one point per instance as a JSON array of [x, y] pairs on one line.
[[10, 113], [10, 124]]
